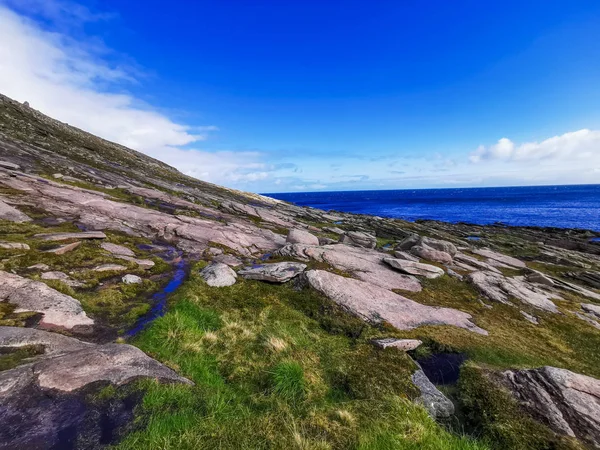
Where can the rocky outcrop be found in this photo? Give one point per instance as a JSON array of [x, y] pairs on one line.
[[498, 288], [12, 214], [405, 345], [500, 260], [296, 236], [428, 248], [375, 304], [436, 403], [431, 254], [359, 239], [218, 275], [58, 309], [569, 403], [414, 268], [274, 273], [365, 264]]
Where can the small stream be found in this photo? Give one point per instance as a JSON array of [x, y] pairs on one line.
[[159, 299]]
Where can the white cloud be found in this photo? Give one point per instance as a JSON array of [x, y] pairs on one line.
[[575, 145], [71, 80]]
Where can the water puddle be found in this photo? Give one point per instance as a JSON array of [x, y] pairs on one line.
[[159, 299], [443, 368], [473, 238]]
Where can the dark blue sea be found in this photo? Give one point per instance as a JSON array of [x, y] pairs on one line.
[[544, 206]]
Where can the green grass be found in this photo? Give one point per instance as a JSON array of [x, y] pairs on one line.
[[274, 370]]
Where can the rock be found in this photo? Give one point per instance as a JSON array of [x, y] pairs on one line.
[[54, 343], [213, 251], [403, 344], [364, 264], [230, 260], [66, 236], [64, 248], [14, 246], [442, 246], [117, 249], [431, 254], [131, 279], [409, 242], [530, 318], [590, 319], [589, 278], [406, 256], [500, 260], [58, 309], [12, 214], [39, 266], [61, 276], [500, 289], [326, 241], [57, 176], [296, 236], [539, 278], [142, 263], [359, 239], [109, 267], [569, 403], [9, 165], [592, 309], [275, 273], [454, 274], [414, 268], [218, 275], [334, 230], [471, 264], [436, 403], [375, 304]]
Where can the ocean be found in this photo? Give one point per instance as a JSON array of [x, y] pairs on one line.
[[543, 206]]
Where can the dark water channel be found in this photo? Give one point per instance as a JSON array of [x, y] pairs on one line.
[[443, 368]]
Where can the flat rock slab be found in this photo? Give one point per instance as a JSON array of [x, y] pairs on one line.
[[414, 268], [431, 254], [365, 264], [500, 259], [12, 214], [274, 273], [64, 248], [399, 254], [117, 249], [142, 263], [296, 236], [499, 288], [375, 304], [569, 402], [14, 246], [230, 260], [406, 345], [58, 309], [359, 239], [66, 236], [53, 343], [109, 267], [471, 264], [219, 275], [436, 403]]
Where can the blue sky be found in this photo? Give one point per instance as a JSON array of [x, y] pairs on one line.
[[276, 96]]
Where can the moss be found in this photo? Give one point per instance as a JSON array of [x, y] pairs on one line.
[[8, 317], [492, 413], [15, 356]]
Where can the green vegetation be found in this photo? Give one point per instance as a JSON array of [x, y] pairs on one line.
[[15, 356], [275, 367]]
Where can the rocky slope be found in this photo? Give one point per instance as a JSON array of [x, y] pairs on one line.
[[94, 236]]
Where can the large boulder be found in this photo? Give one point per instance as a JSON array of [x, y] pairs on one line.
[[409, 242], [274, 273], [569, 403], [501, 289], [296, 236], [438, 244], [375, 304], [431, 254], [58, 309], [414, 268], [218, 275], [359, 239]]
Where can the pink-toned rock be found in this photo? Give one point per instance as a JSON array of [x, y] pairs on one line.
[[499, 259], [12, 214], [296, 236], [65, 248], [66, 236], [117, 249], [375, 304], [431, 254], [414, 268]]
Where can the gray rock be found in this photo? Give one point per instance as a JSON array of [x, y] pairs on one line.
[[454, 274], [403, 344], [64, 248], [443, 246], [471, 264], [218, 275], [230, 260], [591, 308], [61, 276], [296, 236], [436, 403], [365, 264], [406, 256], [375, 304], [359, 239], [66, 236], [14, 246], [58, 309], [213, 251], [539, 278], [334, 230], [117, 249], [131, 279], [9, 165], [569, 403], [409, 242], [500, 289], [12, 214], [530, 318], [109, 267], [431, 254], [326, 241], [39, 266], [275, 273], [499, 259], [53, 343], [414, 268], [57, 176], [142, 263]]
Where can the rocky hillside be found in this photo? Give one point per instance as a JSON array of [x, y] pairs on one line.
[[141, 308]]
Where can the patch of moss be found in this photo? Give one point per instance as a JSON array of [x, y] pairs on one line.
[[14, 356]]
